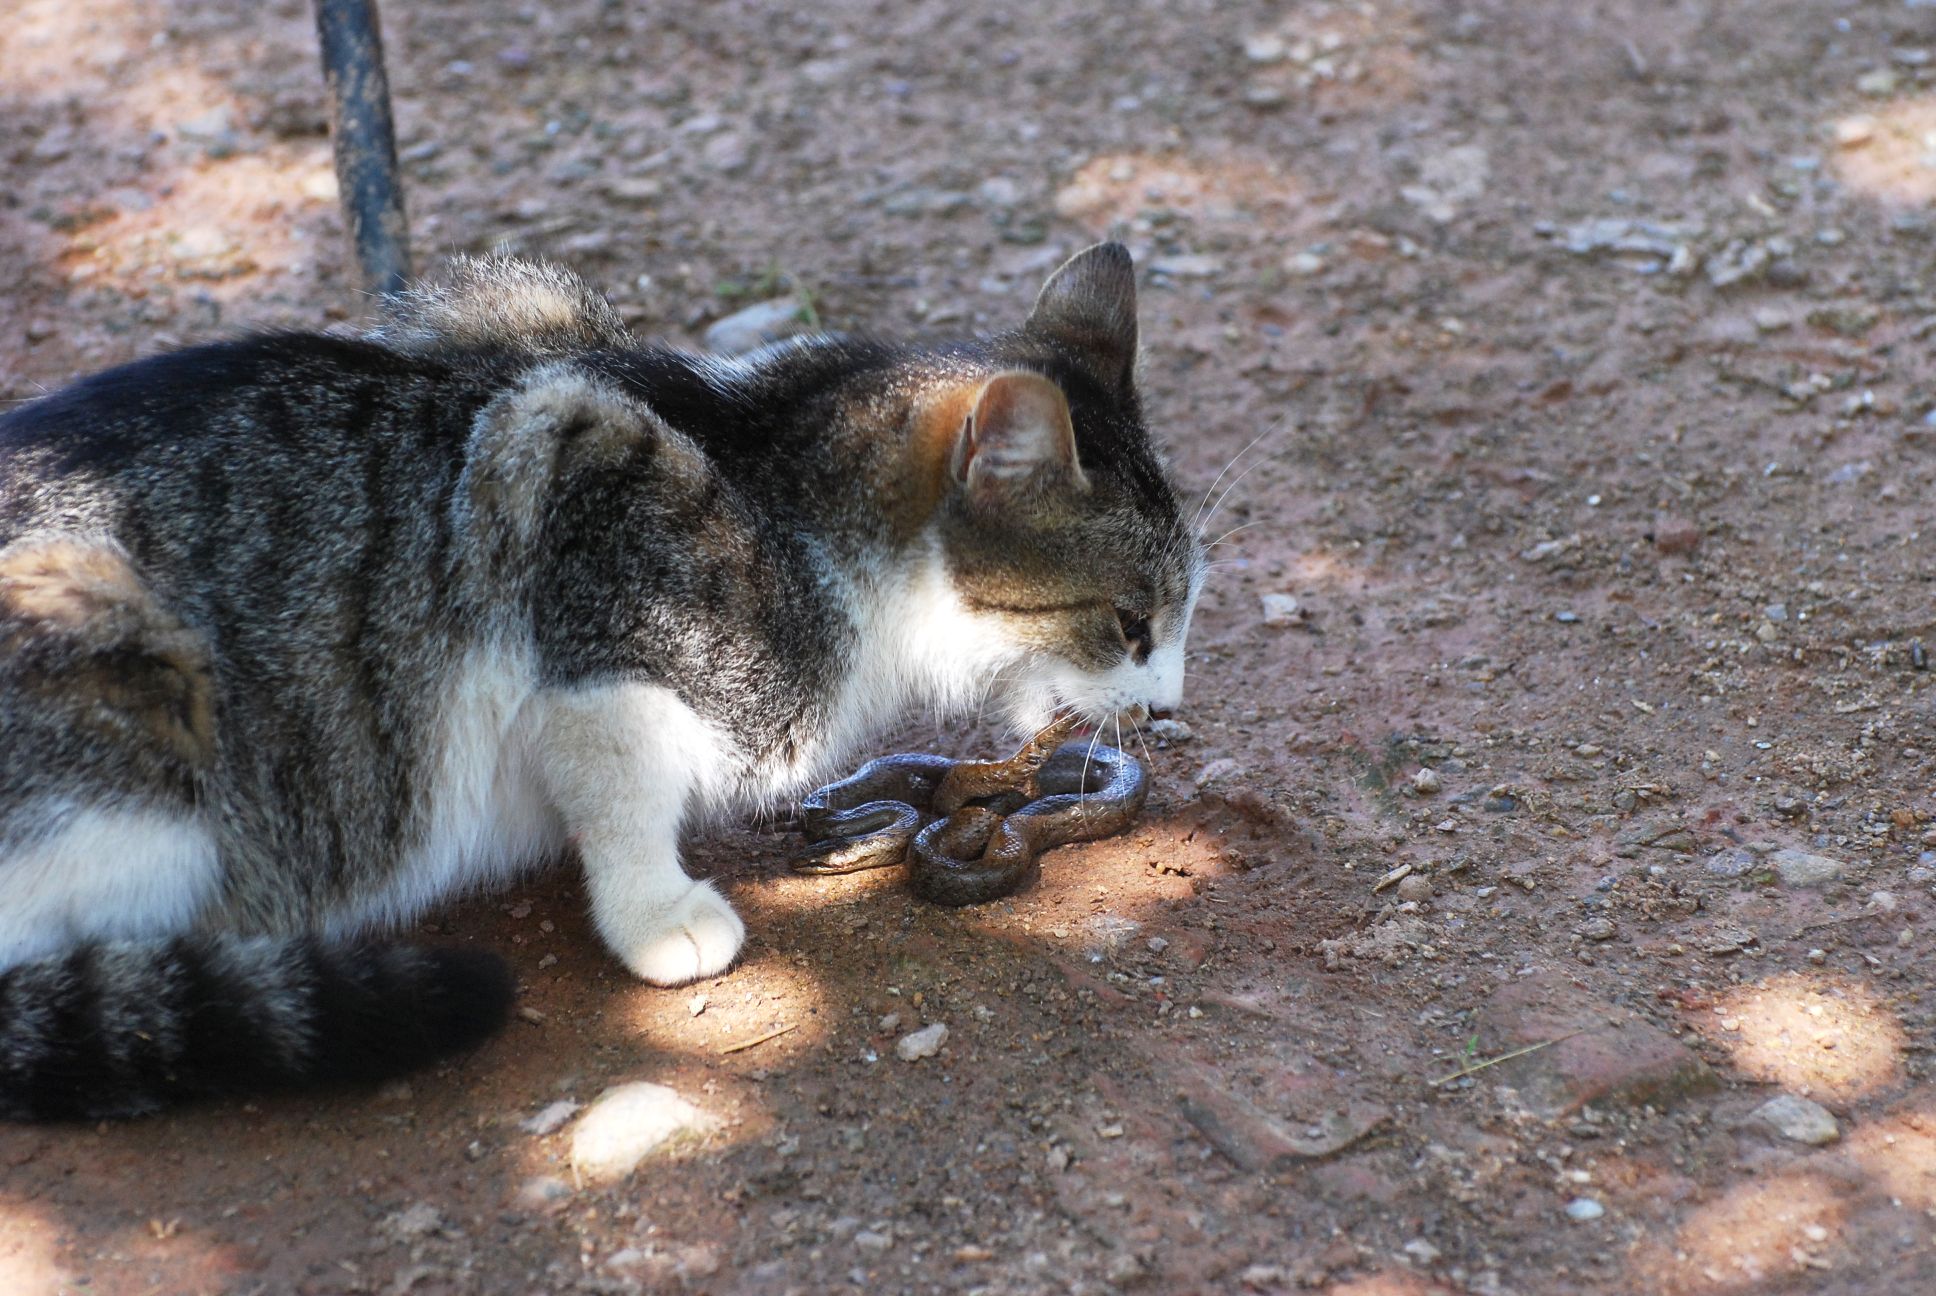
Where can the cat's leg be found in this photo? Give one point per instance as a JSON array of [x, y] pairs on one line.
[[623, 763]]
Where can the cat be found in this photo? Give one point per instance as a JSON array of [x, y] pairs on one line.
[[304, 633]]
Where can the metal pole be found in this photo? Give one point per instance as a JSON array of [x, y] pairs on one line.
[[364, 141]]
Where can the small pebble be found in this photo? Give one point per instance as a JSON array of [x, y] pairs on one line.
[[1421, 1250], [1278, 609], [923, 1043], [1801, 869], [1171, 731], [1426, 782], [1222, 767], [1598, 929], [755, 326], [1853, 132], [550, 1119], [1264, 48], [1415, 886], [1880, 83], [1584, 1209]]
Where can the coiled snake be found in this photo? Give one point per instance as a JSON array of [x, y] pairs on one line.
[[995, 816]]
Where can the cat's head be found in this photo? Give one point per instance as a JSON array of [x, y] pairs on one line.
[[1061, 532]]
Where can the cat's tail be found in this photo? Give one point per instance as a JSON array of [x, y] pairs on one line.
[[125, 1029]]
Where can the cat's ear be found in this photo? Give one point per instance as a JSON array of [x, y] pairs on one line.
[[1017, 435], [1089, 308]]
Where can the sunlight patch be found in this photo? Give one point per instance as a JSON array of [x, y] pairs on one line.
[[1814, 1036], [1890, 153]]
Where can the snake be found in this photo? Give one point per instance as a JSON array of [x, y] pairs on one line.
[[995, 817]]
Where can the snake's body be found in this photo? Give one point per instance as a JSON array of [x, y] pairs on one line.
[[996, 816]]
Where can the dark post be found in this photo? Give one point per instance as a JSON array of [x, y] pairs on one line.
[[364, 140]]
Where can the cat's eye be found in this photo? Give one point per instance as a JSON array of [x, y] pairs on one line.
[[1136, 634]]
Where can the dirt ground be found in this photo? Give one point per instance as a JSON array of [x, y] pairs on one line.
[[1564, 368]]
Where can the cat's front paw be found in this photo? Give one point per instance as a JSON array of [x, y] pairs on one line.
[[698, 936]]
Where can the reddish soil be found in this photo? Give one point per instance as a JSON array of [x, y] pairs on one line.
[[1568, 364]]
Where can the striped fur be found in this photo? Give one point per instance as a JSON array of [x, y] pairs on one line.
[[122, 1029], [302, 634]]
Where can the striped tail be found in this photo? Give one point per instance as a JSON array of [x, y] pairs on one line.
[[126, 1029]]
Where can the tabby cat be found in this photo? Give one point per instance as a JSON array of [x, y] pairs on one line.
[[302, 634]]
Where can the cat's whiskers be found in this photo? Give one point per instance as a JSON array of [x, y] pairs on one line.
[[1197, 521], [1235, 482], [1137, 730], [1082, 787], [988, 691], [1225, 537]]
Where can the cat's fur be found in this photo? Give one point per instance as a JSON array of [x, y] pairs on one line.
[[301, 634]]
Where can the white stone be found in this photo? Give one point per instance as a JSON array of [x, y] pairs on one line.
[[1279, 609], [1799, 1119], [628, 1123], [923, 1043], [1853, 132], [1265, 47], [1584, 1209]]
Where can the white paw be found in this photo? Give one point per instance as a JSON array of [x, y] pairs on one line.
[[699, 935]]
